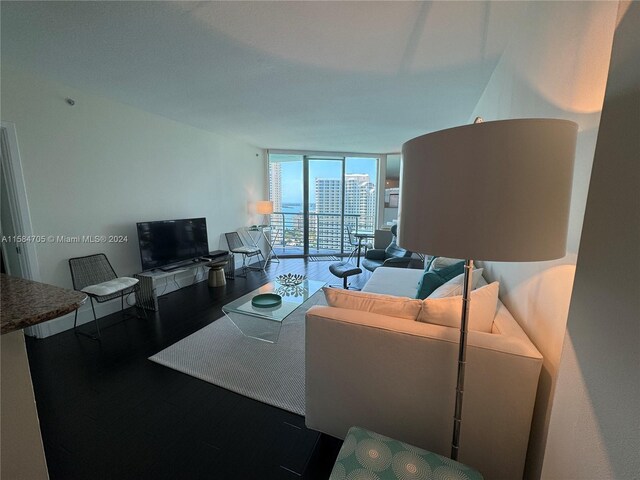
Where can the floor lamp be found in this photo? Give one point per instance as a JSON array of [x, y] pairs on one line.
[[495, 191]]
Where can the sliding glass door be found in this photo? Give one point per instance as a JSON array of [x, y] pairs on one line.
[[319, 199]]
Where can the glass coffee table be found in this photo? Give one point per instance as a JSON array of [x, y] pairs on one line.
[[264, 323]]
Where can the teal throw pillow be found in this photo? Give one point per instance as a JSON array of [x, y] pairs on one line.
[[432, 280], [428, 283], [451, 271], [428, 262]]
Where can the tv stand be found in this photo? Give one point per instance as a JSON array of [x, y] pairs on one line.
[[146, 295], [187, 264], [170, 269]]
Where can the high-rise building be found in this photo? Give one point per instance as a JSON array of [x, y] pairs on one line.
[[275, 185], [328, 195], [360, 200], [359, 207], [324, 228]]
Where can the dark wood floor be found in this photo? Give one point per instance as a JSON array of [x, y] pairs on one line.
[[106, 412]]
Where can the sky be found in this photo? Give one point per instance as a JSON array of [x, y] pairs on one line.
[[292, 174]]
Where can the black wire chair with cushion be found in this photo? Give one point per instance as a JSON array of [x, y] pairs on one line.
[[94, 275], [236, 245]]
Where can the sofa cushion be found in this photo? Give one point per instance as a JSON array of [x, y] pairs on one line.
[[110, 286], [454, 286], [447, 310], [433, 279], [401, 282], [390, 305]]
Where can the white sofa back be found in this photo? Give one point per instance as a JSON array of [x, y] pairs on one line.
[[397, 377]]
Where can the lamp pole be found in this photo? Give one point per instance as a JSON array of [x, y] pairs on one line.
[[462, 357]]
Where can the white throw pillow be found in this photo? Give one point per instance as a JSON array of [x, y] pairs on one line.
[[442, 262], [454, 286], [402, 307], [448, 310]]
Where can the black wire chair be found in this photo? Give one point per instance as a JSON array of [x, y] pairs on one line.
[[92, 275], [237, 246], [353, 242]]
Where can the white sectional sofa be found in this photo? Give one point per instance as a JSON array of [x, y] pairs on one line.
[[397, 377]]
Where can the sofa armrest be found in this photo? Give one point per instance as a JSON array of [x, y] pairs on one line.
[[397, 377], [375, 254]]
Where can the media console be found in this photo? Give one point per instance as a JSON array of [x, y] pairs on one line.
[[146, 295], [196, 262]]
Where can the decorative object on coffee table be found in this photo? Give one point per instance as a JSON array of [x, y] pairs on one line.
[[266, 300], [290, 290], [290, 279]]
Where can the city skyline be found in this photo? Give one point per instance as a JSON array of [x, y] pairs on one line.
[[288, 189], [337, 201]]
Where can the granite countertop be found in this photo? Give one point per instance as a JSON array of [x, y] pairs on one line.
[[24, 303]]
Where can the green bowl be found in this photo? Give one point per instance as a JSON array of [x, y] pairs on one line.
[[266, 300]]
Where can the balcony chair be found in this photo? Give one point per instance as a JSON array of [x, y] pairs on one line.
[[94, 275], [392, 256], [237, 246], [353, 242]]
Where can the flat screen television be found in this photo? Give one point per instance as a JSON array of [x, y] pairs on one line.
[[167, 242]]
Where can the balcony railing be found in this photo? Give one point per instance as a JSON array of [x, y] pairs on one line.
[[327, 233]]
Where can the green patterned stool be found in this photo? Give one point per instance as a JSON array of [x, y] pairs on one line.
[[369, 456]]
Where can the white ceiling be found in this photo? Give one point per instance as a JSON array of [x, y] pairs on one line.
[[333, 76]]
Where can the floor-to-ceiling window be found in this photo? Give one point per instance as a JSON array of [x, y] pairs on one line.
[[318, 199], [286, 190]]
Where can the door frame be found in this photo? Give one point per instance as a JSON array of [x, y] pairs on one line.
[[18, 203], [19, 208]]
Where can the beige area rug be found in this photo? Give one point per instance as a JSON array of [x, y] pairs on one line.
[[221, 354]]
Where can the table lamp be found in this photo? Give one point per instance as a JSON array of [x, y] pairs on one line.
[[264, 207], [497, 191]]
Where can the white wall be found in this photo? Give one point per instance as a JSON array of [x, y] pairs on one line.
[[594, 431], [555, 66], [100, 166]]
